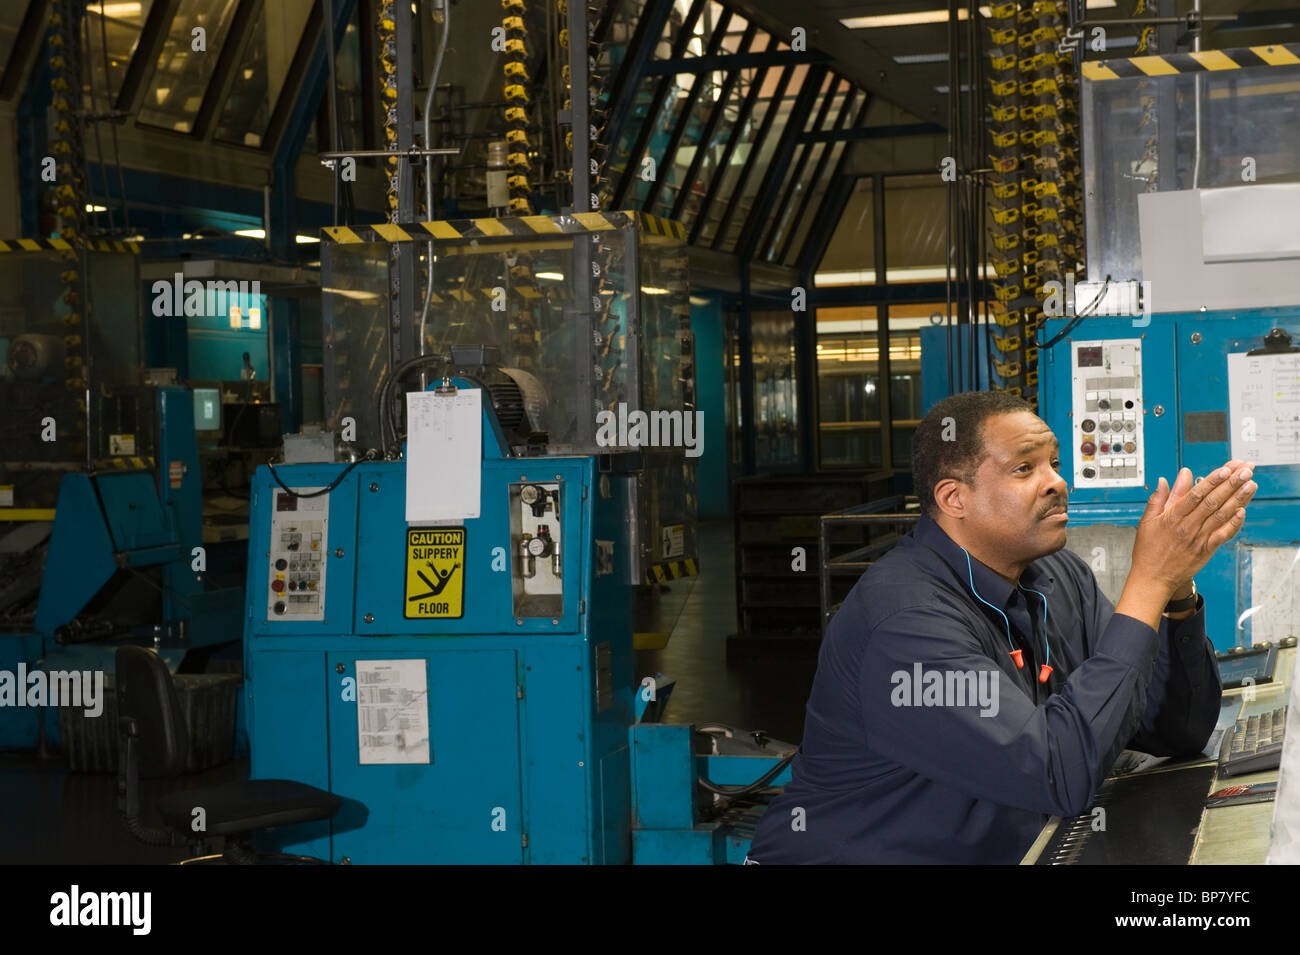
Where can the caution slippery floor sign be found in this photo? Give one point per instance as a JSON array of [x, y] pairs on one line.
[[435, 572]]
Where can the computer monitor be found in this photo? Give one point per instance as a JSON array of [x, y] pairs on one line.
[[207, 409]]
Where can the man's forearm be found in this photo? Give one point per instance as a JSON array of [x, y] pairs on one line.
[[1144, 600]]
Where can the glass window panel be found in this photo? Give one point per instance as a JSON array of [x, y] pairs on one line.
[[120, 24], [182, 74], [827, 159], [11, 18], [916, 224], [626, 15], [347, 73], [735, 35], [804, 222], [776, 410], [260, 77], [848, 386], [766, 151], [701, 109], [803, 163], [850, 255], [714, 148], [768, 81]]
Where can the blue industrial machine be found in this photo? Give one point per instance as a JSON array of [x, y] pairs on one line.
[[1180, 348], [101, 537], [441, 630], [1130, 404]]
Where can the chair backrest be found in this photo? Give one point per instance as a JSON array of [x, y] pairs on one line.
[[146, 693]]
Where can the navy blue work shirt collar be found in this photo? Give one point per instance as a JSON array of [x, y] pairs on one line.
[[991, 586]]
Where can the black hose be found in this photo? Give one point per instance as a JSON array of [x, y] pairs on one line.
[[760, 783], [369, 456]]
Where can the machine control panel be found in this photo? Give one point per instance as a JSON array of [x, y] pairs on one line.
[[538, 557], [297, 561], [1106, 423]]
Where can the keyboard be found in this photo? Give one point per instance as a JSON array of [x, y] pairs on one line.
[[1254, 744]]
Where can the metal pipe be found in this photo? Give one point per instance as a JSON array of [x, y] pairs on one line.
[[1196, 78], [333, 105], [438, 5]]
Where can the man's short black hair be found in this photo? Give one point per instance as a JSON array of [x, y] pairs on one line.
[[949, 441]]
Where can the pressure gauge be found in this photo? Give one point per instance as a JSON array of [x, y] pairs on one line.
[[528, 494], [537, 547]]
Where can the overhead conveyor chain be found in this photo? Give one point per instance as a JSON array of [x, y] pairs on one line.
[[1035, 185]]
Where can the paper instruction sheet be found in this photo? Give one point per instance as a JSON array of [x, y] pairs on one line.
[[1264, 407], [392, 711], [1274, 576], [444, 456]]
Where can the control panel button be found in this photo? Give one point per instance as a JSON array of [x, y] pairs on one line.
[[277, 586], [1089, 472], [1088, 447], [1088, 425], [281, 564]]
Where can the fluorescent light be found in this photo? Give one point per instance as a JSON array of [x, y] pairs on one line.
[[94, 208], [252, 233], [352, 293], [868, 276], [931, 16], [305, 239], [901, 19], [922, 58], [551, 276], [116, 10], [653, 290]]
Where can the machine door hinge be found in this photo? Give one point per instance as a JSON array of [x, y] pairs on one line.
[[584, 492], [582, 606], [523, 841], [519, 691]]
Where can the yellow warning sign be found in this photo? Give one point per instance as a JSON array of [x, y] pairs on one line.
[[435, 572]]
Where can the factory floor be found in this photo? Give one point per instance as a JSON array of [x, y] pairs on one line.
[[700, 612], [51, 816]]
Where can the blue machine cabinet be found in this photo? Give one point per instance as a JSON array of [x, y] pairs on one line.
[[1184, 402], [528, 716]]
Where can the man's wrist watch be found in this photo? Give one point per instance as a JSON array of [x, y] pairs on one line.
[[1186, 603]]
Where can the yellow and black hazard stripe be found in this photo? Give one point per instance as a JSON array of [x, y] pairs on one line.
[[1207, 61], [132, 463], [506, 227], [667, 570], [63, 245]]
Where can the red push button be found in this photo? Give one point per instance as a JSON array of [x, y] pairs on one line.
[[277, 585], [1087, 447]]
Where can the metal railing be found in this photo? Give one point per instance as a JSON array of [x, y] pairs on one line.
[[898, 513]]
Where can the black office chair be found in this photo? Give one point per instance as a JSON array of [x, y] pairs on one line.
[[154, 744]]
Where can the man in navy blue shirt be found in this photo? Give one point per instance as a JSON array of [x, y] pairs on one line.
[[976, 681]]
